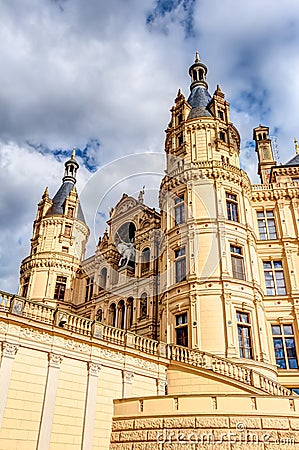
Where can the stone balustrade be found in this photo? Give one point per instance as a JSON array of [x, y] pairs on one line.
[[39, 312]]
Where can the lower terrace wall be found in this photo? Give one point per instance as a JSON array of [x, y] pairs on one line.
[[192, 422]]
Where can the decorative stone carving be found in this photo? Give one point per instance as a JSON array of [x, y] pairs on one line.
[[128, 376], [3, 327], [108, 354], [17, 306], [29, 333], [55, 360], [9, 350], [93, 369]]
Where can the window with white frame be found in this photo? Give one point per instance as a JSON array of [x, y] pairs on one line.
[[232, 207], [88, 289], [180, 264], [244, 334], [266, 225], [237, 260], [274, 278], [181, 329], [60, 287], [284, 346], [179, 210]]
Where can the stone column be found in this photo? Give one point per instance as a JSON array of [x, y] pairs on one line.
[[49, 401], [90, 405], [9, 352], [127, 383]]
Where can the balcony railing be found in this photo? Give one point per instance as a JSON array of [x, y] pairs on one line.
[[41, 313]]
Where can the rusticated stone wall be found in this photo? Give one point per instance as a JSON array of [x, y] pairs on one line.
[[206, 433], [266, 424]]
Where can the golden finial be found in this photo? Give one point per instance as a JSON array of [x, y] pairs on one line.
[[296, 146], [197, 57], [74, 153]]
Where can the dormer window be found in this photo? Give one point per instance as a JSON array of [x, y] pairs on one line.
[[70, 211], [180, 139], [179, 118], [67, 230]]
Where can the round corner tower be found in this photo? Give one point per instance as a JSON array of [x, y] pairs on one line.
[[57, 245], [210, 282]]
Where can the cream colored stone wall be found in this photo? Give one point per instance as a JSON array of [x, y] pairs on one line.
[[69, 405], [22, 413], [210, 422], [57, 386]]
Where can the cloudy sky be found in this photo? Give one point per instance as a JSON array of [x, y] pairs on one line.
[[102, 75]]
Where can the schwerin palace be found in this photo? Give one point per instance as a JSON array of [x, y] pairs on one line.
[[181, 331]]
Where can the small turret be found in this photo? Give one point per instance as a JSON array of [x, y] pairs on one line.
[[263, 147]]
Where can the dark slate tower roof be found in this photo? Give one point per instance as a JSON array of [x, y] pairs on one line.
[[295, 160], [68, 183], [199, 97]]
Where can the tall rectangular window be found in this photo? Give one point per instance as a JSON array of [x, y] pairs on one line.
[[237, 262], [25, 287], [179, 210], [67, 230], [274, 278], [60, 288], [88, 289], [70, 211], [232, 207], [181, 329], [180, 265], [244, 335], [180, 139], [284, 346], [266, 225]]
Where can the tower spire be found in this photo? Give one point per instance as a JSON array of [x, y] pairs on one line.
[[71, 167], [296, 146], [198, 72]]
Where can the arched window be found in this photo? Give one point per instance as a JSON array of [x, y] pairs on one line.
[[121, 314], [145, 260], [130, 312], [99, 316], [143, 305], [112, 314], [103, 278]]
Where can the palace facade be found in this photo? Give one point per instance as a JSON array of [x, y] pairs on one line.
[[187, 317]]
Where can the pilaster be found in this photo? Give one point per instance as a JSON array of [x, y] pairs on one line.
[[127, 383], [90, 405], [49, 401], [9, 352]]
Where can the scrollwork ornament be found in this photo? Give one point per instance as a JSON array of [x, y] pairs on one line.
[[94, 369], [9, 350], [55, 360]]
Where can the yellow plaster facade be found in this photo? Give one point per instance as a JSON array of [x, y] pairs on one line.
[[185, 320]]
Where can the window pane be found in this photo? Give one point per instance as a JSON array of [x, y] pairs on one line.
[[288, 329], [181, 318], [293, 364], [269, 213], [276, 329], [277, 264], [182, 336], [267, 265]]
